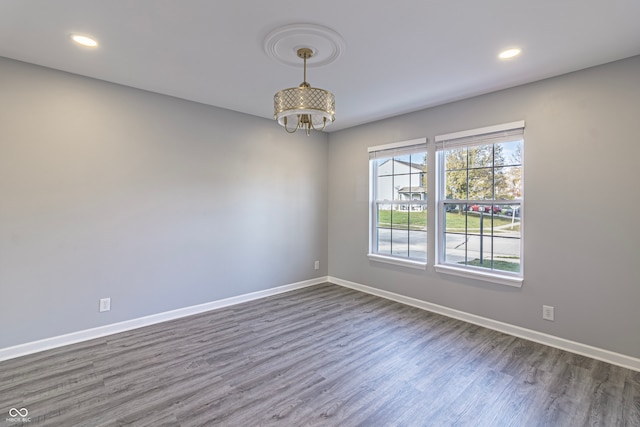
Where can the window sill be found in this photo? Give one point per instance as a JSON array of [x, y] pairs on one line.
[[420, 265], [479, 275]]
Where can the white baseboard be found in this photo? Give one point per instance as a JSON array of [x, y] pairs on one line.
[[528, 334], [101, 331], [531, 335]]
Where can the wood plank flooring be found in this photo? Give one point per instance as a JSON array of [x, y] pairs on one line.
[[319, 356]]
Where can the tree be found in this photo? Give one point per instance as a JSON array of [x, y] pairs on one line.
[[470, 172], [482, 173], [423, 166], [511, 183]]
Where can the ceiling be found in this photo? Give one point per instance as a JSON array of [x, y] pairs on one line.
[[398, 56]]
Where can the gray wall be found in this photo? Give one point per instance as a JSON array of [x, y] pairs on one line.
[[161, 203], [581, 230], [156, 202]]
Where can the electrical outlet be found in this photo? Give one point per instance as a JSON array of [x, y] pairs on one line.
[[547, 312], [317, 265], [105, 304]]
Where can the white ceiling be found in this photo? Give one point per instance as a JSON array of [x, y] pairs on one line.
[[400, 56]]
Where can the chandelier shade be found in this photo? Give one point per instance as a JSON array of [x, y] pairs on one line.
[[318, 103], [304, 107]]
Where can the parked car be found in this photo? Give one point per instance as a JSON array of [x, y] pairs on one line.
[[510, 212], [485, 208]]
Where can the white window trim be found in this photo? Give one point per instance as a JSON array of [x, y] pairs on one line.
[[501, 279], [391, 150], [404, 262], [493, 276]]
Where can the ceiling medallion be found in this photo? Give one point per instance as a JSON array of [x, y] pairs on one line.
[[282, 44]]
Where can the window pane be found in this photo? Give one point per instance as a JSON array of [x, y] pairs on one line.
[[419, 161], [400, 216], [508, 153], [455, 218], [417, 217], [384, 241], [384, 188], [419, 176], [455, 248], [384, 215], [508, 182], [505, 221], [400, 242], [480, 156], [402, 185], [479, 219], [402, 164], [506, 254], [481, 184], [418, 244], [456, 159], [473, 249], [456, 184], [385, 167]]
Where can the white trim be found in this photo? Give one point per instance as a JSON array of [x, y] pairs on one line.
[[127, 325], [517, 331], [405, 262], [420, 146], [394, 145], [481, 131], [501, 279], [460, 139]]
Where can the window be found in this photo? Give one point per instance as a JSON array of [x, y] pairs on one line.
[[480, 203], [398, 218]]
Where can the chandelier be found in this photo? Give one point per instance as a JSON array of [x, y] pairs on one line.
[[304, 107]]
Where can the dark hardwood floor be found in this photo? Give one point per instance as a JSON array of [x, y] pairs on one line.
[[319, 356]]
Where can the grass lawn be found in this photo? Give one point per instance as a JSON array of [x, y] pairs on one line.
[[456, 222], [414, 220]]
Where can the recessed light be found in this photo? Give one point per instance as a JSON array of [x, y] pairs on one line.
[[509, 53], [84, 40]]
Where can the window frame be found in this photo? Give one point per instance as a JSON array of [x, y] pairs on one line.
[[389, 151], [475, 137]]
